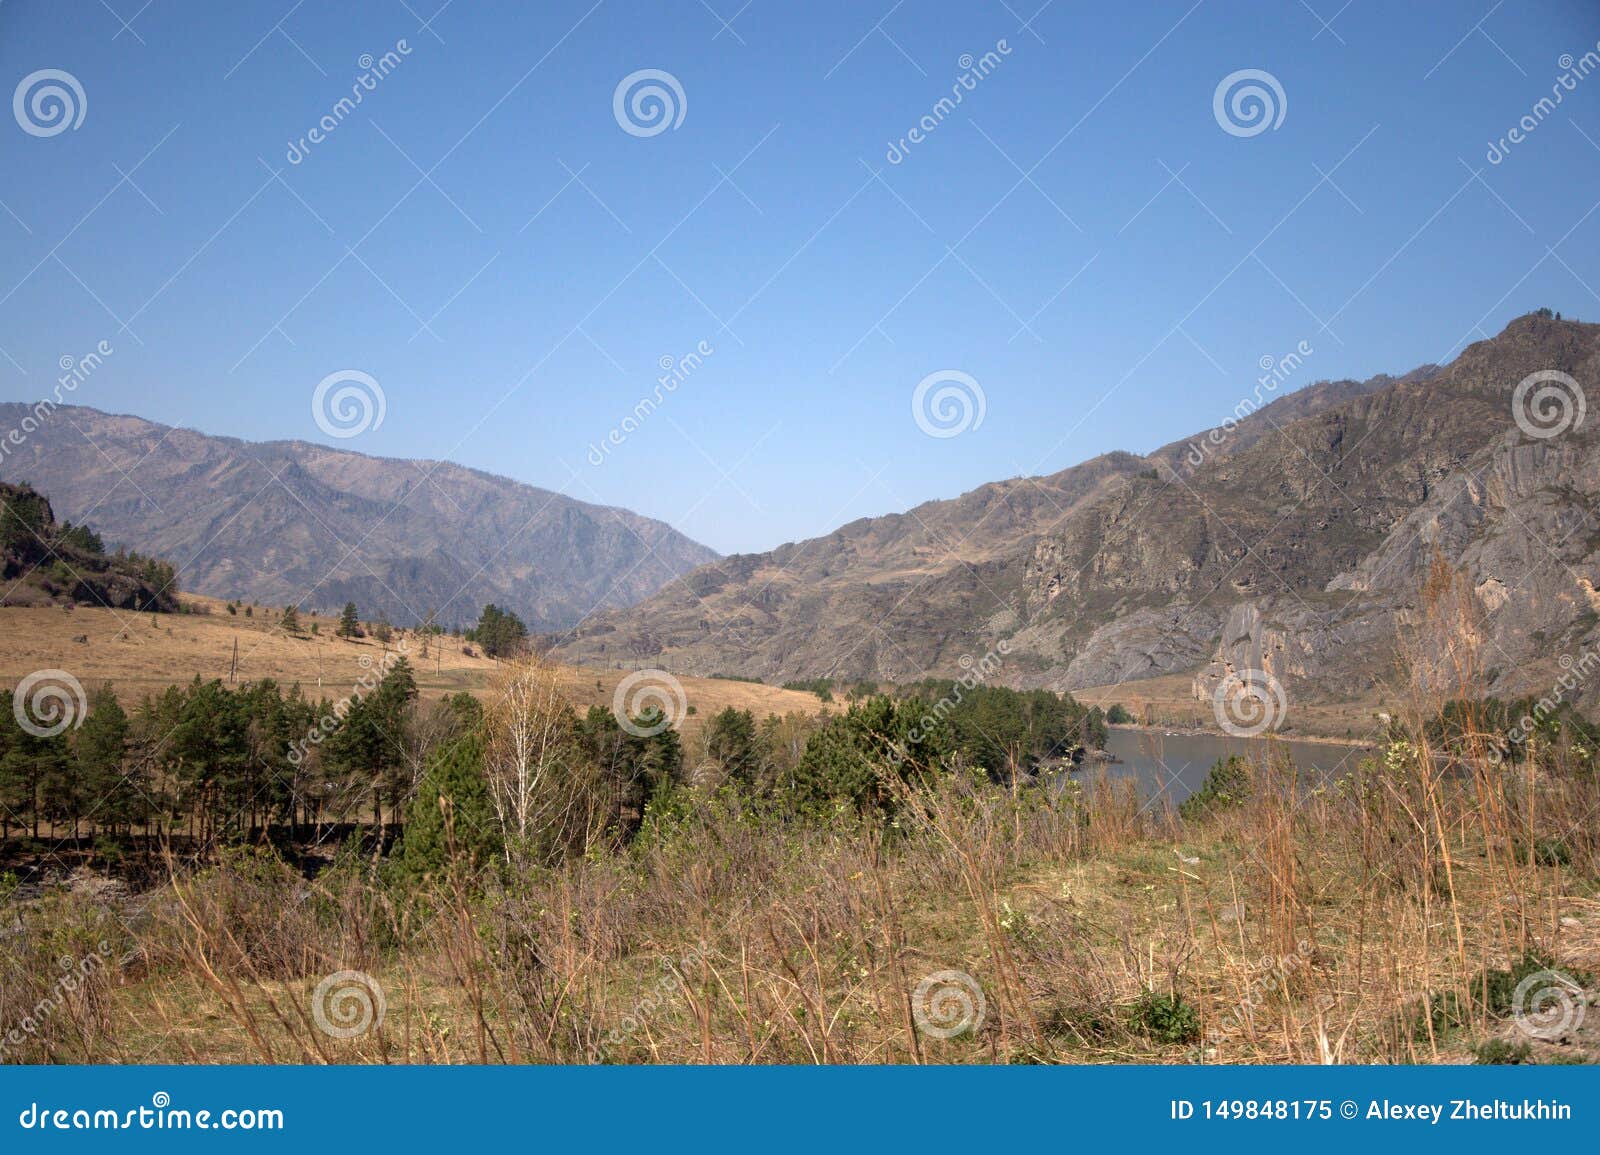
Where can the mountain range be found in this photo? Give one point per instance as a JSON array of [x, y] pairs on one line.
[[287, 522], [1294, 538]]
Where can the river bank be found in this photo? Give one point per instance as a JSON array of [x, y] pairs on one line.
[[1172, 765]]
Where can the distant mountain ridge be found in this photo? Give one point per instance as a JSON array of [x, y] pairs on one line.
[[286, 522], [1296, 544]]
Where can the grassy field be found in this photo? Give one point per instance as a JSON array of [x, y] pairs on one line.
[[984, 928], [1170, 701], [1430, 908], [140, 654]]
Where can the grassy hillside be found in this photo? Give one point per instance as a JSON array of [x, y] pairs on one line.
[[139, 653]]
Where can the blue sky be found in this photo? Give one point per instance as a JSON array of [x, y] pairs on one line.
[[1080, 236]]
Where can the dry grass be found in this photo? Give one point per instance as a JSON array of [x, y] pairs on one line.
[[1293, 928], [144, 653], [1170, 701]]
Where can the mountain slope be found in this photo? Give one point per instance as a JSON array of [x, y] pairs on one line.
[[288, 522], [1298, 540], [47, 563]]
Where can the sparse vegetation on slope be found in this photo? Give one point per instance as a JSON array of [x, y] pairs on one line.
[[43, 562]]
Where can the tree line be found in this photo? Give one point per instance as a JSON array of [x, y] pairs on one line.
[[522, 770]]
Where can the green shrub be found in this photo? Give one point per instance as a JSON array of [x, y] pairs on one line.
[[1227, 785], [1166, 1018], [1498, 1052], [1491, 994]]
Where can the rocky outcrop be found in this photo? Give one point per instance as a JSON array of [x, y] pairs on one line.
[[1299, 541], [46, 562]]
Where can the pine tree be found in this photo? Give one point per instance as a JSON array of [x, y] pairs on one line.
[[499, 632], [370, 744], [452, 812], [291, 620], [100, 745], [349, 623], [730, 741], [18, 777]]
